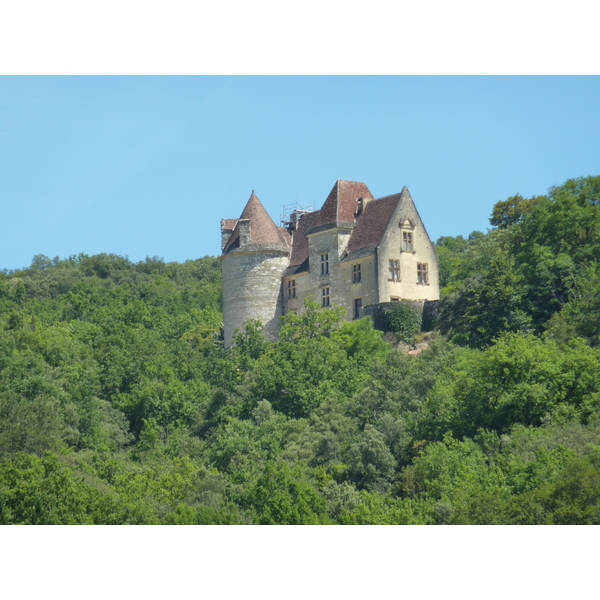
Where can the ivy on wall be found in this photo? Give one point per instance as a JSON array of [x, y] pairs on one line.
[[404, 320]]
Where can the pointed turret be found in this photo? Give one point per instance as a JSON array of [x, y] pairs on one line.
[[254, 260], [255, 226]]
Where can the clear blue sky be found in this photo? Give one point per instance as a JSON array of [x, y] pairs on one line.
[[142, 166]]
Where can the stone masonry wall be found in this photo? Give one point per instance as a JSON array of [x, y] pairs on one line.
[[333, 244], [252, 289], [408, 287]]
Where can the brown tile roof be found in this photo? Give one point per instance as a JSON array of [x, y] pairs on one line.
[[372, 222], [300, 241], [229, 224], [262, 228], [340, 205], [286, 235], [341, 202]]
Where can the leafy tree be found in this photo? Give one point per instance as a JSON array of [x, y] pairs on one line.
[[283, 496], [513, 210], [518, 380], [371, 462]]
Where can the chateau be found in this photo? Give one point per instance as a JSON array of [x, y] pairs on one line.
[[355, 251]]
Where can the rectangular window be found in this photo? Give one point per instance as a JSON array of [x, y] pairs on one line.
[[422, 276], [292, 288], [356, 275], [325, 296], [394, 270], [394, 299], [407, 244], [357, 307], [325, 264]]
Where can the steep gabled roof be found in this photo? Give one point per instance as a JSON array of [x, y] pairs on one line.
[[341, 202], [407, 201], [375, 219], [340, 205], [262, 228], [372, 223]]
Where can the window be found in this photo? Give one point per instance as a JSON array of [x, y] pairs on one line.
[[357, 307], [356, 276], [394, 270], [394, 299], [324, 264], [407, 241], [422, 273], [291, 288], [325, 296]]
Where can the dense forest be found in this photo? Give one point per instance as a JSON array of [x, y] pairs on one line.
[[119, 404]]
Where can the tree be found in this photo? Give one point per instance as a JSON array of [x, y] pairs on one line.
[[520, 379], [282, 496]]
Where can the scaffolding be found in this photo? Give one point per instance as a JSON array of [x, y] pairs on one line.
[[292, 212]]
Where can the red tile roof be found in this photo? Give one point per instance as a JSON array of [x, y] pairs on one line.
[[372, 222], [229, 224], [340, 205], [299, 239], [262, 228], [341, 202]]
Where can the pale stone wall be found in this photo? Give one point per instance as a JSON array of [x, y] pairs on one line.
[[423, 252], [366, 290], [328, 241], [343, 290], [252, 289], [302, 290]]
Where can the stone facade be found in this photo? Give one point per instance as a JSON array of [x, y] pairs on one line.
[[252, 290], [354, 252]]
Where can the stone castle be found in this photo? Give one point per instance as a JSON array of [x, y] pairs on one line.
[[355, 251]]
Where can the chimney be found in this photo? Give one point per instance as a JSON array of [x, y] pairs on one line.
[[361, 204], [226, 231], [244, 225]]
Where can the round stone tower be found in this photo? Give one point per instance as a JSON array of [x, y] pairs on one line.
[[255, 257]]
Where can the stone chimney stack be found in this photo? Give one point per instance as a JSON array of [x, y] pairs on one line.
[[361, 204], [244, 225]]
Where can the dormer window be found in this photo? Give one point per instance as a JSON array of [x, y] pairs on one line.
[[407, 227]]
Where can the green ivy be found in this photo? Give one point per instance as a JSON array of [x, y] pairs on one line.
[[404, 320]]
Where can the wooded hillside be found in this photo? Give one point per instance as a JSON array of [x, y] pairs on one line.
[[118, 403]]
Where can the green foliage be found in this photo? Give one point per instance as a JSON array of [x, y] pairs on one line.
[[518, 380], [454, 474], [541, 257], [42, 491], [361, 340], [404, 320], [513, 210], [283, 496], [371, 462], [119, 404]]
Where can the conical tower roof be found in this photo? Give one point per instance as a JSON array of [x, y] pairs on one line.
[[262, 228]]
